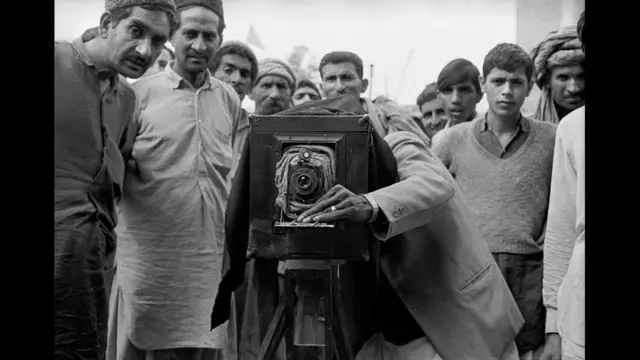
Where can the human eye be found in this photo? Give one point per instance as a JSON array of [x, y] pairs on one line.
[[209, 36], [135, 32]]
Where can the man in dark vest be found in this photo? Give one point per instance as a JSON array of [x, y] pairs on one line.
[[93, 107]]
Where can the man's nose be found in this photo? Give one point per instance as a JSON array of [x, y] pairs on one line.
[[198, 44], [144, 48], [575, 86], [506, 89], [235, 76], [274, 93], [455, 97]]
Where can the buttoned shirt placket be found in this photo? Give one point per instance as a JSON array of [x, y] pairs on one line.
[[201, 168]]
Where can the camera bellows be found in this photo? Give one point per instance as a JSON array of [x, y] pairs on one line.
[[303, 175]]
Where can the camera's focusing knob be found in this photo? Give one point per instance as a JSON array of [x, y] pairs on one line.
[[304, 154]]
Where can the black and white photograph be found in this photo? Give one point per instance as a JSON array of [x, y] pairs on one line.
[[319, 180]]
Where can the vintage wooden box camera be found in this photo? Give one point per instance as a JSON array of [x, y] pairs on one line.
[[294, 160]]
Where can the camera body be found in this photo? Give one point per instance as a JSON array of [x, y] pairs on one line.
[[294, 161]]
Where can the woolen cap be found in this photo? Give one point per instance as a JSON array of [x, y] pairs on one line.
[[110, 5]]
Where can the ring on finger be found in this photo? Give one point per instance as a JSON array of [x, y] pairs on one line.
[[333, 208]]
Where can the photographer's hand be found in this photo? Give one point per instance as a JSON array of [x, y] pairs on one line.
[[339, 204]]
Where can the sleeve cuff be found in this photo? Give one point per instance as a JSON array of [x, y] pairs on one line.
[[374, 205], [551, 323]]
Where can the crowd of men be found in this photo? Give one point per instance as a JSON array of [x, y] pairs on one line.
[[489, 206]]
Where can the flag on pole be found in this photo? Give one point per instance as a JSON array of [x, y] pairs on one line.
[[253, 39]]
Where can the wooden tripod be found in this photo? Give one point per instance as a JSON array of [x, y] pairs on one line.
[[312, 318]]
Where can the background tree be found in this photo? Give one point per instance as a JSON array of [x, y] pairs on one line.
[[304, 64]]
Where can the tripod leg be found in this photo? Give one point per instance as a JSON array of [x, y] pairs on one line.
[[274, 334], [342, 345]]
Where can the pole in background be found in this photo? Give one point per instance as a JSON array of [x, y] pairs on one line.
[[404, 70]]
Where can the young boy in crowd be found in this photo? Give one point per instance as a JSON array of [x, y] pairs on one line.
[[502, 162]]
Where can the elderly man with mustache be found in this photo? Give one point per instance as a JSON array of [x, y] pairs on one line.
[[171, 231], [560, 74], [273, 87], [271, 93]]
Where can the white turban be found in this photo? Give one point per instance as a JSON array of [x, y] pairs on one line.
[[559, 48]]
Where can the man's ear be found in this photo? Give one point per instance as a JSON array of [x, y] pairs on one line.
[[365, 85], [479, 96], [530, 86], [483, 84], [105, 25]]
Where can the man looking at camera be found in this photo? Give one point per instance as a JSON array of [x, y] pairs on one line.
[[93, 109], [171, 232], [441, 294]]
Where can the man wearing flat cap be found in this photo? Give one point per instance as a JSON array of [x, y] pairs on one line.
[[93, 109], [559, 73], [563, 282], [171, 231]]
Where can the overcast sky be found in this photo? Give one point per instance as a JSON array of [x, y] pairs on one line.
[[421, 35]]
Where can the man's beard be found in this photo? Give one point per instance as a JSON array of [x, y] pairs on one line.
[[271, 108]]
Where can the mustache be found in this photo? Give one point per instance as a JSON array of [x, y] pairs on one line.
[[578, 94], [195, 54], [238, 88], [140, 61]]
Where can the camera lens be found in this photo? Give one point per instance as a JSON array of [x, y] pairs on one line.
[[304, 182]]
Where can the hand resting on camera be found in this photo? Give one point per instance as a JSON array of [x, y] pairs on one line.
[[347, 206]]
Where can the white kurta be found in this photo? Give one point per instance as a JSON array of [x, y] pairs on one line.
[[171, 232], [564, 249]]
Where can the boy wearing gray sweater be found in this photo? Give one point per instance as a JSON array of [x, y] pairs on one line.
[[502, 162]]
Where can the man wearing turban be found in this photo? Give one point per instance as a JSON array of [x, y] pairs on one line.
[[559, 73], [273, 87], [272, 91], [564, 245], [171, 231], [93, 109]]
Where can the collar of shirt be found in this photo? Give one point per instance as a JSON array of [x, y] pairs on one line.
[[178, 81], [108, 79], [523, 125]]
